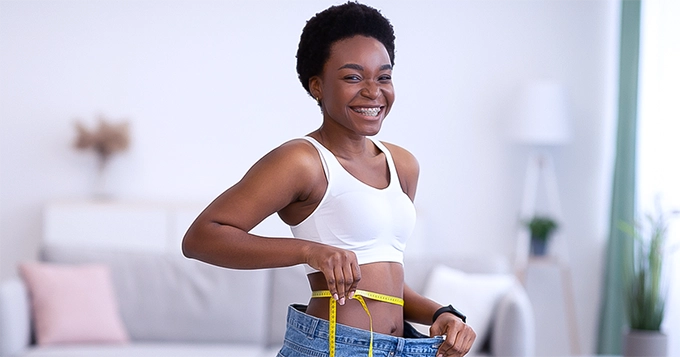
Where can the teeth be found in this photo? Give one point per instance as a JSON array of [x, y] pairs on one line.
[[368, 111]]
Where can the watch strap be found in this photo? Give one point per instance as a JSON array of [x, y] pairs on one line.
[[449, 309]]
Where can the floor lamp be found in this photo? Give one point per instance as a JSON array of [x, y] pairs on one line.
[[542, 123]]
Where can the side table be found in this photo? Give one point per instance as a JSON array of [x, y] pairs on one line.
[[548, 280]]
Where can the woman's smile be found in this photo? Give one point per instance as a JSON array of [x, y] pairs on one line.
[[369, 112]]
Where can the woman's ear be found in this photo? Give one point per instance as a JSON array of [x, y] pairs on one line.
[[315, 87]]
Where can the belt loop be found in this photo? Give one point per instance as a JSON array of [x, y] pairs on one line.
[[401, 342], [312, 329]]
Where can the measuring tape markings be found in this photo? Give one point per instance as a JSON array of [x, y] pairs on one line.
[[359, 296]]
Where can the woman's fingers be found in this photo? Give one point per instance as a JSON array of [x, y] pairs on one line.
[[351, 279], [345, 279], [356, 276], [456, 344], [339, 279], [341, 269], [459, 336]]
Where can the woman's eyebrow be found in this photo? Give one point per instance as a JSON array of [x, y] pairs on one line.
[[352, 66], [361, 68]]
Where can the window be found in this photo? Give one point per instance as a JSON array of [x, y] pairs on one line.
[[658, 161]]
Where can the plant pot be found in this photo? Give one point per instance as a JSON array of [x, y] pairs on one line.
[[538, 247], [644, 343]]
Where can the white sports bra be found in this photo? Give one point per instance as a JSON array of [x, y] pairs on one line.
[[373, 223]]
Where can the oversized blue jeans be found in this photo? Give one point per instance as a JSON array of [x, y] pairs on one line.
[[307, 336]]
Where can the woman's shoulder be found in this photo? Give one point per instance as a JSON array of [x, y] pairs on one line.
[[297, 148], [298, 154], [292, 169]]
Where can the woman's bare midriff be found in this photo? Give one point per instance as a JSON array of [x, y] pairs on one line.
[[382, 277]]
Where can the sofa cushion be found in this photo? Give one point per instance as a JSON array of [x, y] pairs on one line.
[[167, 297], [152, 350], [289, 286], [514, 327], [15, 317], [476, 295], [417, 270], [73, 303]]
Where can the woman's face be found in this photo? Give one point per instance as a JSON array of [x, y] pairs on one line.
[[355, 87]]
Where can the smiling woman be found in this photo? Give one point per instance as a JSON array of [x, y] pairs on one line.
[[349, 201]]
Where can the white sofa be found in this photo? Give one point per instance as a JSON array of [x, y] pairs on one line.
[[173, 306]]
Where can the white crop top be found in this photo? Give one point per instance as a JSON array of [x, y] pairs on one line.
[[373, 223]]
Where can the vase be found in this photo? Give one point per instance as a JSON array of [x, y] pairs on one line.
[[644, 343], [102, 190], [538, 247]]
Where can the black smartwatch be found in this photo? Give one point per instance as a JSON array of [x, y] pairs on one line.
[[449, 309]]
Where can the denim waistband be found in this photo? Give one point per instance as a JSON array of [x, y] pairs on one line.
[[315, 328]]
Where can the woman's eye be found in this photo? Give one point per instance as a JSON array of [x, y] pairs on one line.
[[385, 78], [353, 77]]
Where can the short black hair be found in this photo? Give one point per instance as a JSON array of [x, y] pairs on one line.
[[337, 23]]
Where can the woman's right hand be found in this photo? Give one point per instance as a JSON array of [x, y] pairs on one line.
[[340, 268]]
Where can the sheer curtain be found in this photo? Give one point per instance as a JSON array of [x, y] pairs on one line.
[[658, 150]]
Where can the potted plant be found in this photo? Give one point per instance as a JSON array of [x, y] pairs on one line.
[[644, 286], [540, 227]]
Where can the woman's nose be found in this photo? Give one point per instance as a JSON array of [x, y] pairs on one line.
[[371, 90]]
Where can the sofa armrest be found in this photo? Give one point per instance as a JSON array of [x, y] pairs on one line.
[[15, 318], [513, 331]]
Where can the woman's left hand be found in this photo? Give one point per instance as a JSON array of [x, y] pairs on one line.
[[459, 335]]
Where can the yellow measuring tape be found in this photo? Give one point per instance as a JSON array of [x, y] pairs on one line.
[[358, 295]]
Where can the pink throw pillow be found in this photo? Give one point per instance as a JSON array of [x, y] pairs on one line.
[[73, 304]]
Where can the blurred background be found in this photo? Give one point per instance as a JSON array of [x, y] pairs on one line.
[[208, 87]]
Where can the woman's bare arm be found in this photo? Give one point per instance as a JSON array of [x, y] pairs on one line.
[[219, 235], [288, 180]]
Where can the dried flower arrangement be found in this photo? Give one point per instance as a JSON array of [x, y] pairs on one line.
[[108, 138]]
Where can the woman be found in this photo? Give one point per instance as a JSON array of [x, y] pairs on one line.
[[348, 200]]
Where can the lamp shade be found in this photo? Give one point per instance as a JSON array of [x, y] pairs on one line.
[[542, 117]]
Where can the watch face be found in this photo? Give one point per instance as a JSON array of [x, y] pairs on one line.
[[449, 309]]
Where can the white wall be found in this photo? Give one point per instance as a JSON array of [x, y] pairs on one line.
[[210, 86]]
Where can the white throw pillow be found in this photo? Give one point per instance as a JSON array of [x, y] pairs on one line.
[[475, 295]]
